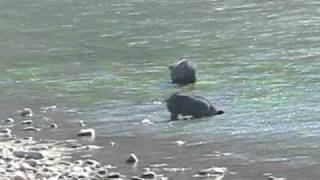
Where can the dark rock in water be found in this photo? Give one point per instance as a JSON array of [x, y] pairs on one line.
[[87, 132], [53, 126], [132, 159], [9, 121], [28, 154], [114, 175], [149, 175], [193, 105], [183, 72], [215, 172], [136, 178], [26, 112], [29, 121]]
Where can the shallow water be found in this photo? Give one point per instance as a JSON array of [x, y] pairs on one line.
[[106, 62]]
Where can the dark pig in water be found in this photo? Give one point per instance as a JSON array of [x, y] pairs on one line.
[[192, 105], [183, 72]]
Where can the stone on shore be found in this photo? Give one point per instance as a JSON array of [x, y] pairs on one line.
[[28, 154], [214, 172], [29, 121], [132, 159], [87, 132], [9, 121]]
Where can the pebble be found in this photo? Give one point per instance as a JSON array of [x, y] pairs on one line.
[[29, 121], [147, 122], [132, 159], [114, 175], [81, 123], [9, 121], [26, 112], [217, 172], [179, 142], [275, 178], [102, 172], [28, 154], [54, 126], [31, 128], [87, 132], [149, 175], [136, 178], [6, 130]]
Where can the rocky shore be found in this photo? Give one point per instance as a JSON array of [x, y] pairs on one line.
[[27, 158]]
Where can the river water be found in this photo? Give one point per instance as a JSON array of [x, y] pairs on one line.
[[105, 62]]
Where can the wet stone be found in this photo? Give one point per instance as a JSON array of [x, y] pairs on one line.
[[9, 121], [28, 155], [149, 175], [136, 178], [26, 122], [53, 126], [132, 159], [26, 112], [87, 132], [31, 128], [114, 175], [6, 130]]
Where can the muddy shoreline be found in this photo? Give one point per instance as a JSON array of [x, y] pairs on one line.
[[169, 158]]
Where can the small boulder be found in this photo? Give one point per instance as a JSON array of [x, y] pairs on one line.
[[87, 132], [132, 159], [53, 126], [149, 175]]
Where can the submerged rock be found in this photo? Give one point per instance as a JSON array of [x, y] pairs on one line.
[[132, 159], [31, 128], [215, 172], [149, 175], [53, 126], [87, 132]]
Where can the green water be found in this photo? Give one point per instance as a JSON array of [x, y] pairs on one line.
[[106, 62]]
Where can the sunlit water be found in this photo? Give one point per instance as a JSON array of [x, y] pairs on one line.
[[106, 62]]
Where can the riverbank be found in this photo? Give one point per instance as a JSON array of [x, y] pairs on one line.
[[49, 151]]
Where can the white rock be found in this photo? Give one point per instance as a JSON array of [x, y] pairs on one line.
[[87, 132], [179, 142], [147, 122]]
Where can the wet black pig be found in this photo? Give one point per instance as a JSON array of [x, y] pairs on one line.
[[192, 105]]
